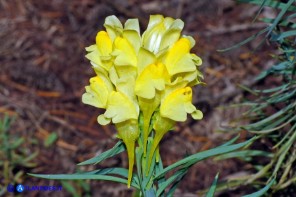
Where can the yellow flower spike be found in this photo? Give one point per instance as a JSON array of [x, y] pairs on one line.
[[128, 131], [161, 33], [150, 74], [177, 104], [161, 126], [151, 79], [97, 92], [148, 106], [178, 59]]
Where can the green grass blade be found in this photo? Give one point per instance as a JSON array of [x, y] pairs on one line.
[[269, 3], [231, 141], [245, 41], [178, 175], [212, 189], [118, 148], [244, 154], [286, 34], [259, 11], [80, 176], [279, 16], [262, 191]]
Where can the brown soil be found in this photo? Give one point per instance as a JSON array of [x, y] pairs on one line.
[[43, 73]]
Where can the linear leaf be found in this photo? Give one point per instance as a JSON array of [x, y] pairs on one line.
[[262, 191], [118, 148], [188, 161], [212, 189], [80, 176], [245, 41], [269, 3], [178, 174], [286, 34], [244, 154]]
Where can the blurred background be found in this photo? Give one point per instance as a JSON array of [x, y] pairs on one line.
[[43, 73]]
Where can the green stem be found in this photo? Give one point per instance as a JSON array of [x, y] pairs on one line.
[[156, 140]]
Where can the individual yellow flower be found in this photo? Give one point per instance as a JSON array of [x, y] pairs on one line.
[[100, 53], [97, 92], [174, 107]]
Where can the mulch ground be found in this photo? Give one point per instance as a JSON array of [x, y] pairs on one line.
[[43, 73]]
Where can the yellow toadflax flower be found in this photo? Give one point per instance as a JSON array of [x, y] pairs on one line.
[[150, 75]]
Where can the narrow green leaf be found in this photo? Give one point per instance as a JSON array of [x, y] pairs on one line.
[[118, 148], [270, 118], [188, 161], [212, 189], [279, 16], [158, 169], [273, 89], [244, 154], [112, 171], [269, 3], [286, 34], [176, 184], [83, 177], [178, 174], [262, 191], [245, 41], [259, 11], [231, 141]]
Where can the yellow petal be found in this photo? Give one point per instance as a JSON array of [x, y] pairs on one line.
[[120, 108], [99, 54], [124, 53], [104, 43], [151, 79], [161, 33], [154, 33], [132, 33], [102, 120], [113, 27], [126, 86], [145, 58], [172, 34], [93, 55], [178, 58]]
